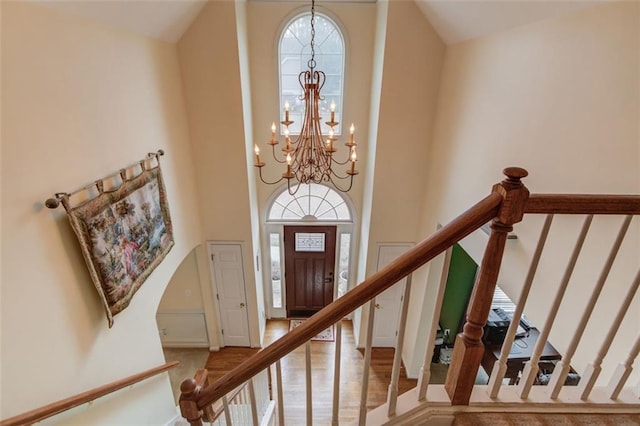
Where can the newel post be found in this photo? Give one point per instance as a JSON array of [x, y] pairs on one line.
[[188, 407], [468, 348]]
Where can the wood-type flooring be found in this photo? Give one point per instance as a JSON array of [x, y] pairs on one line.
[[322, 360]]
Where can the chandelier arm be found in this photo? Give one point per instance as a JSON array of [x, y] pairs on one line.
[[341, 163], [343, 189], [275, 157], [267, 182]]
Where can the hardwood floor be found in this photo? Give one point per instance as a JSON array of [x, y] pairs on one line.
[[322, 360]]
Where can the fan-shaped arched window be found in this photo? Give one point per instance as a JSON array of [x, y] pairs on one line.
[[295, 52], [310, 202]]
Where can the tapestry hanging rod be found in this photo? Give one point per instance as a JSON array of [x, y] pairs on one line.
[[54, 202]]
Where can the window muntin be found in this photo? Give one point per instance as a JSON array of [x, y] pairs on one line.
[[311, 202], [295, 52]]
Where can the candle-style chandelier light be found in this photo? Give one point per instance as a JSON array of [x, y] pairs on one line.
[[310, 157]]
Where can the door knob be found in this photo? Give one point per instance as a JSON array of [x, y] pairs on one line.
[[242, 305], [378, 306], [328, 280]]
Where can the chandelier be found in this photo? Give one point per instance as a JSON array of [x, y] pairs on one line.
[[310, 157]]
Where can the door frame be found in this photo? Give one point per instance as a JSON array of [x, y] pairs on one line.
[[278, 228], [214, 287]]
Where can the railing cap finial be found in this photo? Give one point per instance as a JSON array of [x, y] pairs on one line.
[[188, 387]]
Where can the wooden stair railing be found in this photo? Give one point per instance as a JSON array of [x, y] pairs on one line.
[[58, 407], [505, 205]]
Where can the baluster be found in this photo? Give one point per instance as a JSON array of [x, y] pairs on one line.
[[280, 393], [593, 370], [307, 352], [392, 398], [500, 367], [362, 419], [531, 367], [623, 370], [425, 370], [227, 411], [336, 375], [254, 402], [241, 404], [468, 348], [561, 369]]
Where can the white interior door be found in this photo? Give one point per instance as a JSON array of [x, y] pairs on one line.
[[229, 288], [389, 303]]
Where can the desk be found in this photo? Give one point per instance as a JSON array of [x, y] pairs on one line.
[[521, 351]]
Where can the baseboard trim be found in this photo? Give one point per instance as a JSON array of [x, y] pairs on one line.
[[166, 344]]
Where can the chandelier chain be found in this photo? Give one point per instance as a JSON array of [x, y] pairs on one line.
[[312, 61]]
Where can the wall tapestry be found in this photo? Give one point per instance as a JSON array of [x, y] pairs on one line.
[[124, 234]]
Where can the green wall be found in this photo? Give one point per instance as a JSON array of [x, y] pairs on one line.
[[462, 272]]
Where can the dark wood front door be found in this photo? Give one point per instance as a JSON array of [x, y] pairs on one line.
[[309, 259]]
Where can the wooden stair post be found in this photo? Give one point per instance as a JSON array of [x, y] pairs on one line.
[[468, 348], [189, 390]]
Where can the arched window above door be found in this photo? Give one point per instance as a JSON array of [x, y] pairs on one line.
[[310, 203]]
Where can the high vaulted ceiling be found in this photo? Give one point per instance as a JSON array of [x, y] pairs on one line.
[[454, 20]]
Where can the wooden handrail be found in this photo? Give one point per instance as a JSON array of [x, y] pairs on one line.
[[583, 204], [408, 262], [82, 398]]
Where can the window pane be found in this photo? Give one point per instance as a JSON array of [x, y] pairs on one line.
[[343, 264], [295, 52], [276, 280]]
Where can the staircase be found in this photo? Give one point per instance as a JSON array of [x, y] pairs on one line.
[[460, 401]]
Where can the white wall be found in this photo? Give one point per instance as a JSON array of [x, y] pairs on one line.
[[79, 101], [560, 98]]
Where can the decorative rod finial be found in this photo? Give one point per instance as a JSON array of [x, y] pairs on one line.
[[515, 173], [52, 203]]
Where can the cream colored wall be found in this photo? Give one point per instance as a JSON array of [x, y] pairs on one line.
[[411, 72], [209, 60], [245, 81], [183, 291], [79, 101], [562, 99]]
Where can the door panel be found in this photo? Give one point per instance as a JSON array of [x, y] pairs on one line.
[[230, 290], [309, 263], [389, 302]]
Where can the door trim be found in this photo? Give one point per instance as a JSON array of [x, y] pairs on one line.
[[214, 287]]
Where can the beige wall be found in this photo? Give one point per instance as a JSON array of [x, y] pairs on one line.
[[560, 98], [79, 101], [209, 59], [183, 291], [413, 59]]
